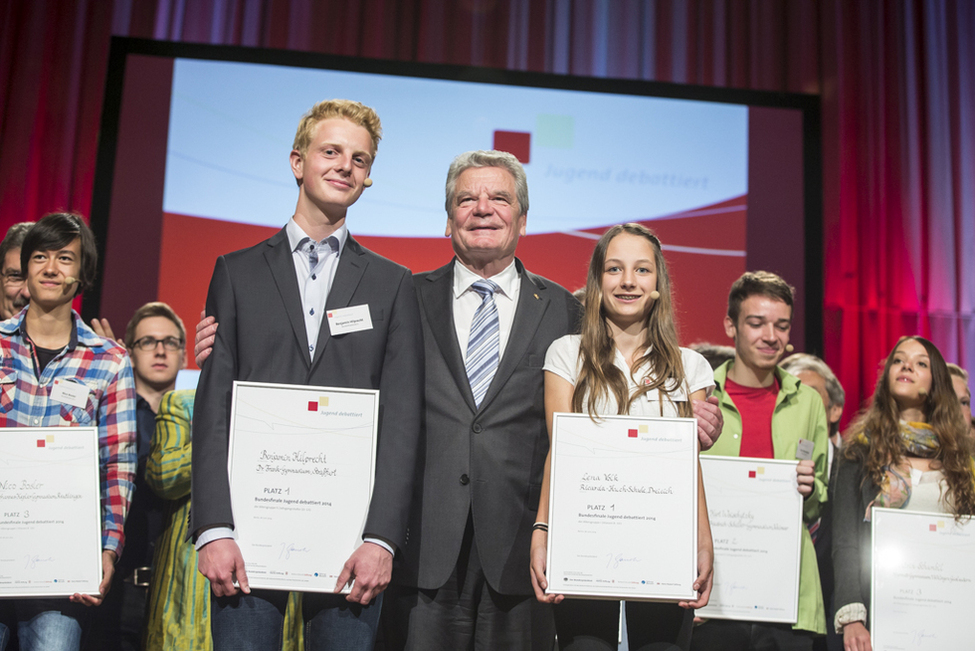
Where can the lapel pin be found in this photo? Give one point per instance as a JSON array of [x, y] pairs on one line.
[[536, 297]]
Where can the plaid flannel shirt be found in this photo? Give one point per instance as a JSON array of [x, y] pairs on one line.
[[104, 367]]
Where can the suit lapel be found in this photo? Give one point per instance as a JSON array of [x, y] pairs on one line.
[[437, 297], [282, 266], [347, 276], [532, 304]]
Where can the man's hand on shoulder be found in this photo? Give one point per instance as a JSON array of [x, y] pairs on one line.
[[206, 333], [370, 566], [102, 328], [709, 421], [220, 561]]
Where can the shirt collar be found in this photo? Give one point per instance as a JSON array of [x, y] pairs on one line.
[[80, 333], [296, 234], [464, 278]]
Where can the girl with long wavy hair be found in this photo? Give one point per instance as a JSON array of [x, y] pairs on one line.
[[625, 361], [909, 449]]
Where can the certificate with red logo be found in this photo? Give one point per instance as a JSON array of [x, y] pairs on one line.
[[923, 580], [755, 512], [623, 508], [50, 512], [302, 463]]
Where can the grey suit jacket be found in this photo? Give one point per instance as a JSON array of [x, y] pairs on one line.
[[254, 296], [487, 461]]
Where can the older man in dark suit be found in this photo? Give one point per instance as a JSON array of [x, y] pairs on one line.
[[270, 301], [462, 579]]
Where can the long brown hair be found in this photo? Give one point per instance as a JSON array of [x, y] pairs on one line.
[[600, 378], [880, 445]]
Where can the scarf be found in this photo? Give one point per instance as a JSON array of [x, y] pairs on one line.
[[920, 441]]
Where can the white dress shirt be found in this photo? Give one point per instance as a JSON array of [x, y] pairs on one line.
[[466, 301], [314, 284]]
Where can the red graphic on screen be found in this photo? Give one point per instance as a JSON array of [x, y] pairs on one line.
[[632, 433], [312, 405], [40, 443], [751, 474], [933, 527], [516, 143]]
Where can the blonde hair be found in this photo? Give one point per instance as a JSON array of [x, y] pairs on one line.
[[354, 112]]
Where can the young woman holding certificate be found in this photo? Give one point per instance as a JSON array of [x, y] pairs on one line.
[[626, 361], [910, 450]]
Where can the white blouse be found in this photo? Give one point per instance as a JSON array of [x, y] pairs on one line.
[[563, 359]]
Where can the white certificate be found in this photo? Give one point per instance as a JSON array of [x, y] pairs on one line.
[[756, 524], [302, 462], [623, 508], [51, 527], [923, 581]]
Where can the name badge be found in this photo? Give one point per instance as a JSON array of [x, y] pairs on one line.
[[344, 320], [804, 449], [70, 393]]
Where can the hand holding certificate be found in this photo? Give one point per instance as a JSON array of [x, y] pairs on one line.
[[301, 463], [756, 524], [50, 538], [619, 487]]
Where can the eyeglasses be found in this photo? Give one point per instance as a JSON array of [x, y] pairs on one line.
[[149, 343]]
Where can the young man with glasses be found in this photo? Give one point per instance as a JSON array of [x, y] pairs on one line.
[[156, 341]]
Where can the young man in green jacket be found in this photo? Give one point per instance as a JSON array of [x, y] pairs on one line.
[[766, 413]]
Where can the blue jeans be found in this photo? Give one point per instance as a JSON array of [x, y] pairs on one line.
[[43, 624], [255, 622]]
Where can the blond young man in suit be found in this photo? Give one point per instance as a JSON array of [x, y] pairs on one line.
[[270, 301]]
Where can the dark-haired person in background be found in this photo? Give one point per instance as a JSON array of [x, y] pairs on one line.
[[14, 296], [49, 341]]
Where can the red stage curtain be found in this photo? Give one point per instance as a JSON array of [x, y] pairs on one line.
[[897, 81]]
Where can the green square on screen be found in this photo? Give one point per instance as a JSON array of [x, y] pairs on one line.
[[554, 130]]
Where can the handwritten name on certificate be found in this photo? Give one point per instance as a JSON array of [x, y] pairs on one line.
[[756, 524], [50, 512], [302, 462], [623, 508], [923, 581]]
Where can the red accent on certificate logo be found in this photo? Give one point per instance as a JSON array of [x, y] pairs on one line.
[[751, 474], [40, 443], [312, 405], [932, 527], [516, 143], [330, 315], [632, 433]]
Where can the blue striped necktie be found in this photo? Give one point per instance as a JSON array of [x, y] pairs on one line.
[[484, 345]]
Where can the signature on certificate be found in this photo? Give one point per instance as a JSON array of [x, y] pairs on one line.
[[32, 562], [614, 560], [287, 549]]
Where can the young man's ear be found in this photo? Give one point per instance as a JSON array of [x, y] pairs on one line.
[[729, 328]]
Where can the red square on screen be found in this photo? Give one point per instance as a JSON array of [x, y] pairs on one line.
[[516, 143], [312, 405], [751, 474], [932, 527], [40, 443], [632, 433]]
